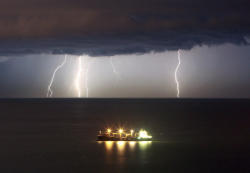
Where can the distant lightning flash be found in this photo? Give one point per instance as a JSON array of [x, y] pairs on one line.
[[175, 75], [114, 69], [78, 77], [50, 92], [87, 80]]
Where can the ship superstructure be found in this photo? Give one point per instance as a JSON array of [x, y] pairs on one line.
[[123, 135]]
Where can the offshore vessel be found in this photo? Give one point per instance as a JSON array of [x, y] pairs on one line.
[[123, 135]]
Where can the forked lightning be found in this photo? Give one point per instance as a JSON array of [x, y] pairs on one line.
[[50, 91], [175, 74]]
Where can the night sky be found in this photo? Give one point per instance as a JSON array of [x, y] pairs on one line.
[[128, 48], [179, 69]]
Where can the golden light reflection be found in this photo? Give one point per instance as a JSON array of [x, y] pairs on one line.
[[109, 145], [132, 145], [121, 146]]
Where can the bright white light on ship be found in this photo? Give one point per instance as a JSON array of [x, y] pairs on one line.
[[143, 134], [120, 130]]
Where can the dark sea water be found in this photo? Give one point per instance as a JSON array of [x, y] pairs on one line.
[[58, 135]]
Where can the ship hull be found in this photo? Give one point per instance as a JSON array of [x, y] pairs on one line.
[[107, 138]]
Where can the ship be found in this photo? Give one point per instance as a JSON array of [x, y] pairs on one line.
[[123, 135]]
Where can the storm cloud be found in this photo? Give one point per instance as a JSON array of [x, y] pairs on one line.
[[119, 27], [115, 45]]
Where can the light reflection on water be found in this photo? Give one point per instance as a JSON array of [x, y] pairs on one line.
[[125, 146], [109, 145], [132, 145], [121, 146], [144, 144], [124, 152]]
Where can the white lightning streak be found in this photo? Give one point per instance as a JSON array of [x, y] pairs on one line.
[[78, 77], [50, 92], [175, 75], [87, 80], [114, 69]]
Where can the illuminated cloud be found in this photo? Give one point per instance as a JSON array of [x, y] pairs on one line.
[[3, 59]]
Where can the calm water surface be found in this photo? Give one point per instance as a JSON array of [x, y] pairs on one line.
[[53, 136]]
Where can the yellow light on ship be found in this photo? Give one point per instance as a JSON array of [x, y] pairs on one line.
[[131, 131], [120, 130], [109, 130], [143, 134]]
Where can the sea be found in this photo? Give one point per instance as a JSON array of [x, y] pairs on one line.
[[189, 135]]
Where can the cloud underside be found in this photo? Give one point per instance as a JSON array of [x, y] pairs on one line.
[[115, 45], [119, 27]]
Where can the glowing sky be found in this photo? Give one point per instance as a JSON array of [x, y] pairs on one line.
[[218, 71]]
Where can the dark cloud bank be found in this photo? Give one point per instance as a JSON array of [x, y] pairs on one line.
[[119, 27]]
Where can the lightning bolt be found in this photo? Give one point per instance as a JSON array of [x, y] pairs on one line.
[[50, 91], [78, 77], [175, 74], [87, 80], [114, 69]]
